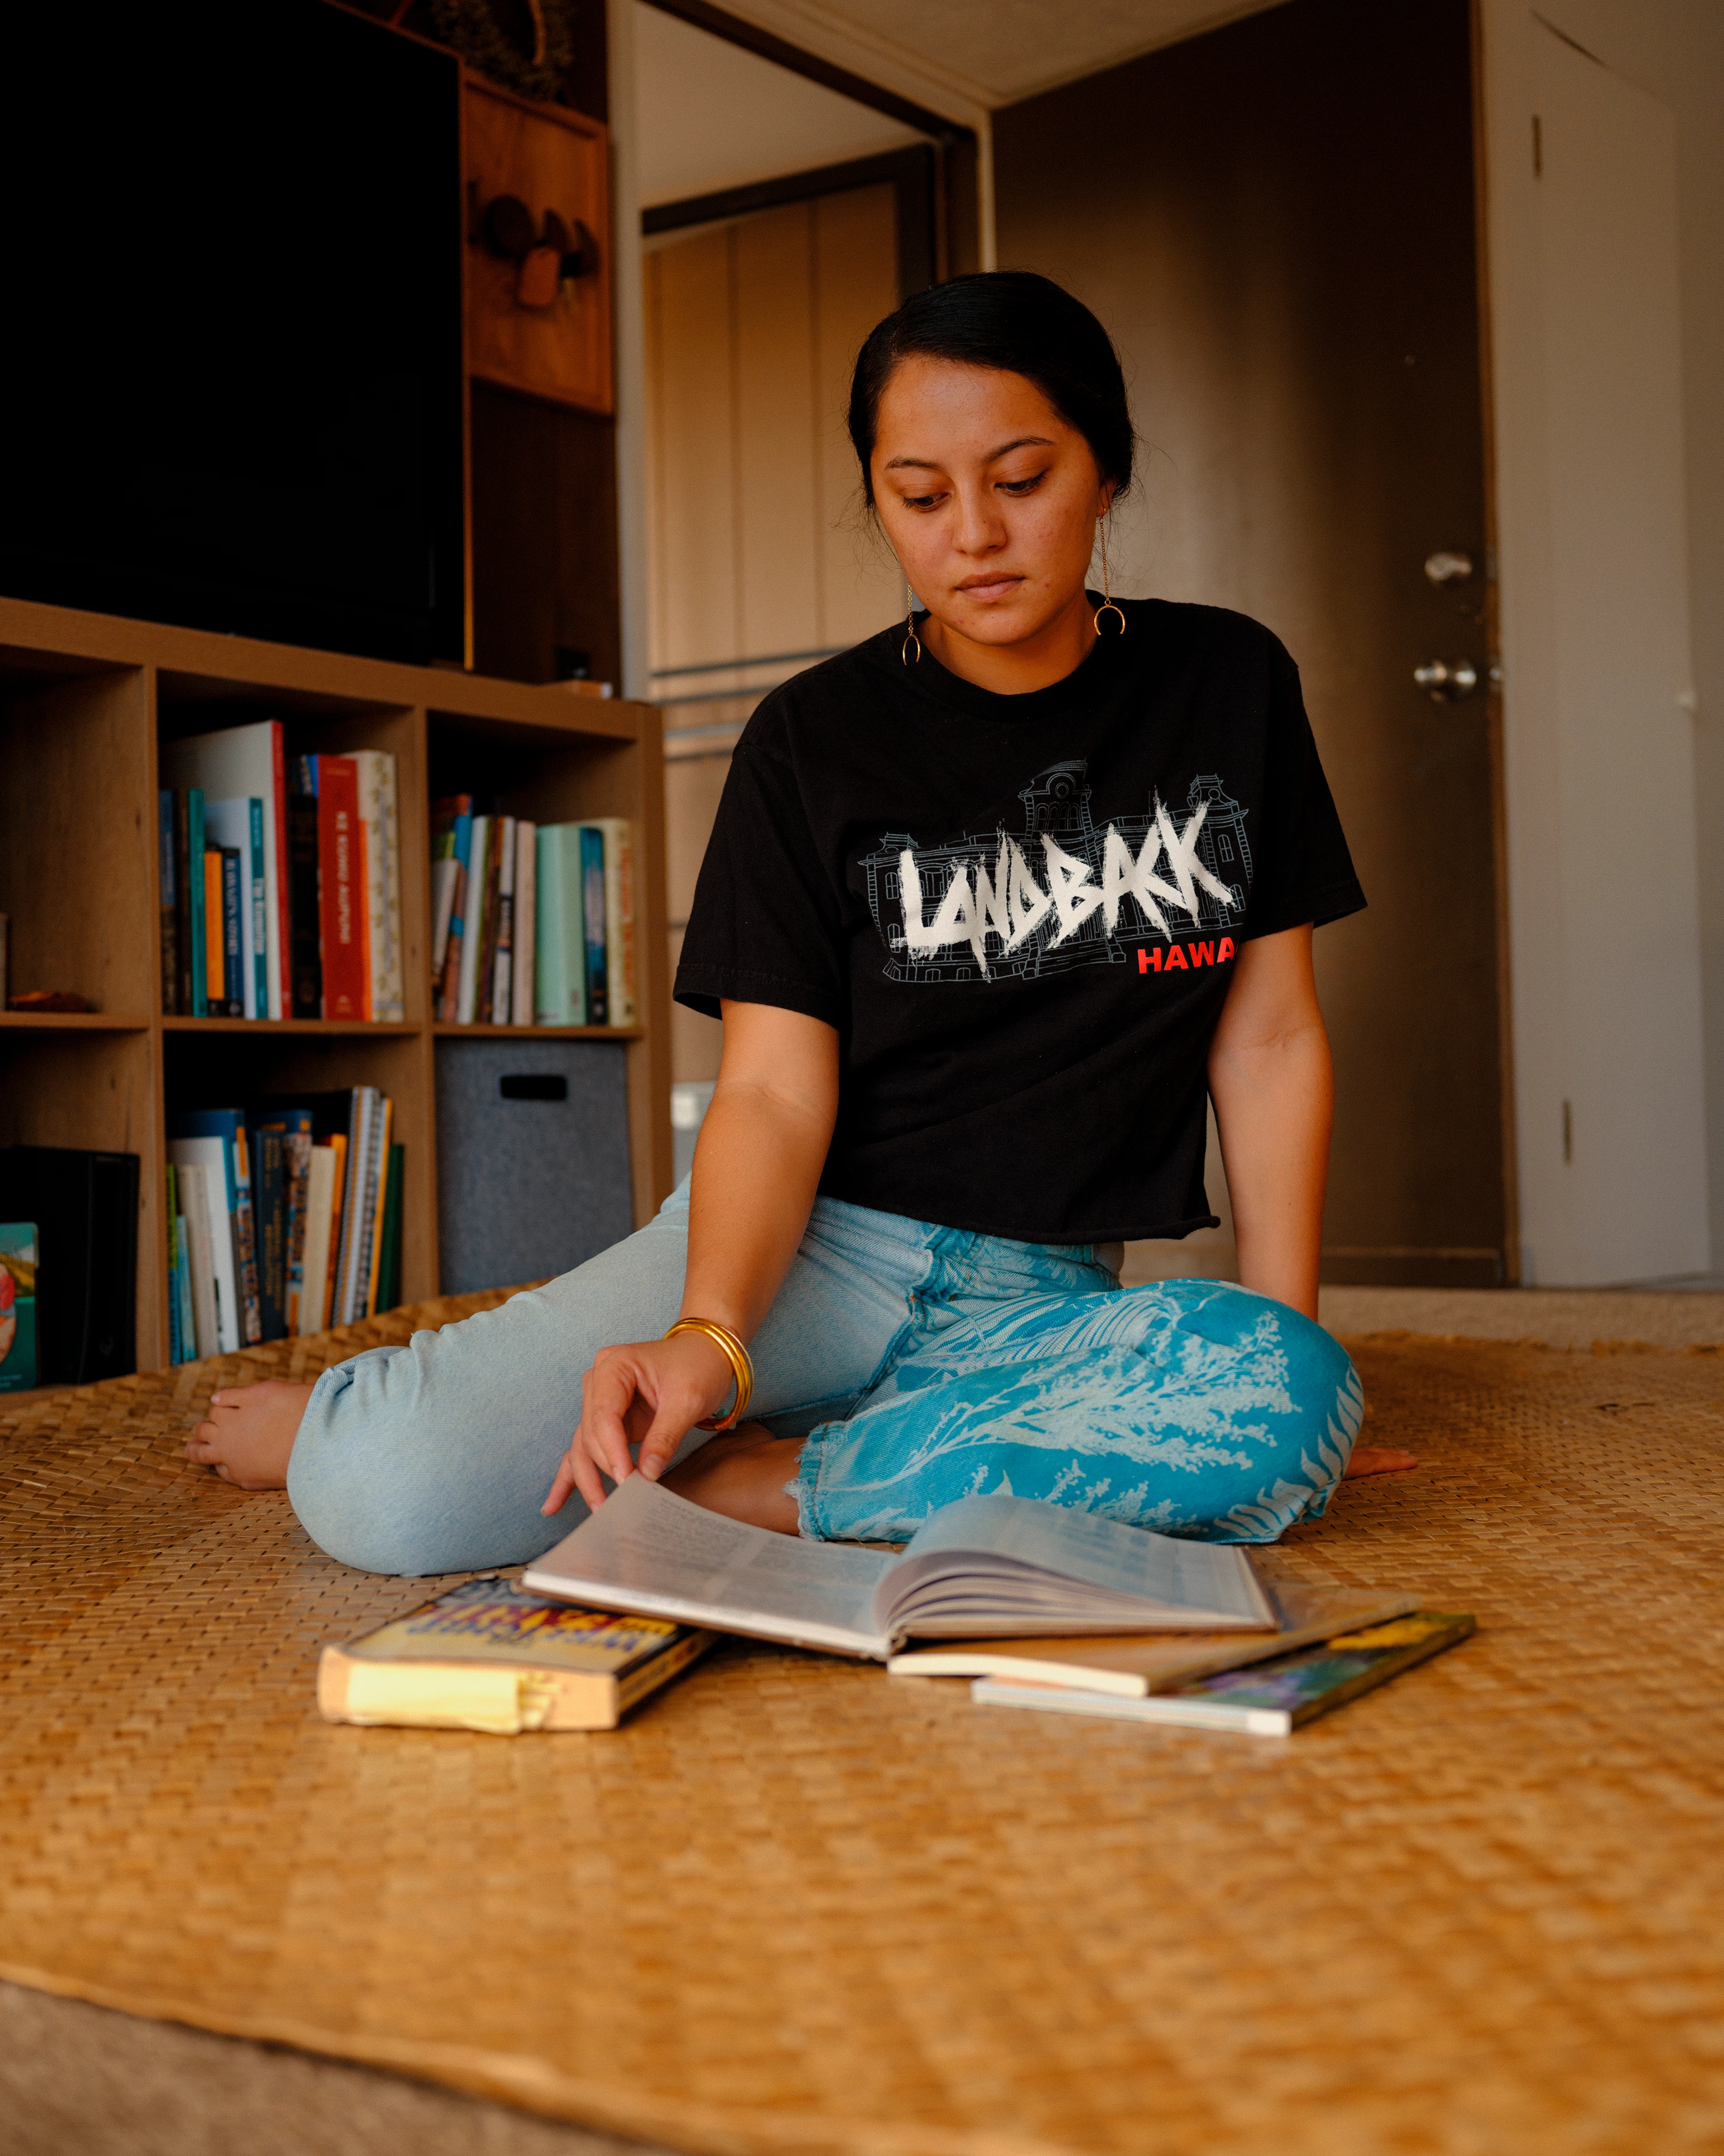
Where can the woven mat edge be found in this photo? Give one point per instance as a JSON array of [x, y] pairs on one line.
[[530, 2084]]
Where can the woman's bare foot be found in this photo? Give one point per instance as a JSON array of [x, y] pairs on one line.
[[743, 1473], [249, 1434], [1378, 1459]]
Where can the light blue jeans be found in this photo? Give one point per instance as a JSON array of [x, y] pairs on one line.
[[921, 1363]]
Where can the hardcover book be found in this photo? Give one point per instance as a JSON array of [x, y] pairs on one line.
[[487, 1656], [341, 888]]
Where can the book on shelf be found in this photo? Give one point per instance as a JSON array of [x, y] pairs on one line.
[[240, 764], [341, 912], [380, 818], [1272, 1698], [167, 876], [526, 922], [1132, 1666], [996, 1565], [592, 901], [304, 933], [473, 921], [451, 832], [17, 1306], [85, 1205], [269, 1236], [619, 857], [560, 973], [501, 973], [487, 1656]]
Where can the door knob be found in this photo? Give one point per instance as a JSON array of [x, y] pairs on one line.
[[1447, 685]]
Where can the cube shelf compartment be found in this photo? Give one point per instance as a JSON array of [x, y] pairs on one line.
[[84, 700]]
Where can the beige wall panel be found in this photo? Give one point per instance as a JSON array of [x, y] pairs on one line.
[[695, 531], [778, 520], [856, 282]]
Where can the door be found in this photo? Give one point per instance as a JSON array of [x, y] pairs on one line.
[[1277, 223]]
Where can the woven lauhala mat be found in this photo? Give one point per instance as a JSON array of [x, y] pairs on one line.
[[798, 1905]]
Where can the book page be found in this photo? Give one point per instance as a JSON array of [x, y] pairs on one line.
[[990, 1544], [647, 1549]]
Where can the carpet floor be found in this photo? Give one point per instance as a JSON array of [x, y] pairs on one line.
[[798, 1905]]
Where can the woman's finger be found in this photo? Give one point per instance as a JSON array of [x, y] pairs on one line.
[[676, 1416]]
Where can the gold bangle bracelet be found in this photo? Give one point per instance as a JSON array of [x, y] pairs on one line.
[[742, 1368]]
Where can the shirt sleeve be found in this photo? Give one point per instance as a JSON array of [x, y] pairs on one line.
[[1301, 870], [765, 927]]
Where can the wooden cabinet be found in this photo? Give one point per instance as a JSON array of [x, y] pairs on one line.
[[549, 339], [85, 700]]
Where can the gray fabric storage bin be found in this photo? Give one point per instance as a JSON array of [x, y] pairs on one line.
[[528, 1183]]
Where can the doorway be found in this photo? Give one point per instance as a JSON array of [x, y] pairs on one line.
[[1277, 221]]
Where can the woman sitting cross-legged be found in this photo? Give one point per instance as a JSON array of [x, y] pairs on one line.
[[995, 904]]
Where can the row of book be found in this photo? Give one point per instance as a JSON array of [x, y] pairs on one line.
[[284, 1217], [532, 924], [280, 880]]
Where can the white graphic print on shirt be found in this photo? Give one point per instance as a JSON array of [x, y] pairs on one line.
[[995, 905]]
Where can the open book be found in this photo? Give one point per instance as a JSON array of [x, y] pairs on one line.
[[999, 1565]]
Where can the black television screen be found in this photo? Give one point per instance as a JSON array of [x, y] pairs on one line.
[[232, 368]]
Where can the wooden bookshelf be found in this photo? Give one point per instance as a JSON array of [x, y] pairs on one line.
[[85, 700]]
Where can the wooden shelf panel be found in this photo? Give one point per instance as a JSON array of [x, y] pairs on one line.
[[359, 1028], [445, 1032], [73, 1022]]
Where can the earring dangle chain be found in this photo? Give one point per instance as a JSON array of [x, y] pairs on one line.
[[910, 635], [1107, 604]]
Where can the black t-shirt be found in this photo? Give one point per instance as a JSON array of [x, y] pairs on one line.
[[1021, 913]]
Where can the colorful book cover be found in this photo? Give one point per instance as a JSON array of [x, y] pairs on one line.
[[296, 1170], [197, 884], [180, 1285], [493, 1620], [592, 900], [1267, 1699], [472, 921], [449, 984], [305, 916], [444, 815], [168, 898], [258, 915], [380, 813], [269, 1205], [17, 1306], [619, 918]]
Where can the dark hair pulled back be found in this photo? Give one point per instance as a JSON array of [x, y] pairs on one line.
[[1018, 323]]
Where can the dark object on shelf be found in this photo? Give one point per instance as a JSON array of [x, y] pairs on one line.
[[471, 28], [281, 455], [508, 227], [529, 1183], [48, 999], [85, 1205]]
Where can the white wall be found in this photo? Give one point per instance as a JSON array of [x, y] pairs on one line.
[[1613, 790]]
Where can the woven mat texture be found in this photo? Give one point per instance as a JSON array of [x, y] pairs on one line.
[[798, 1905]]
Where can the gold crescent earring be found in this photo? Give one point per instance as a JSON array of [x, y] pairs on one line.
[[910, 635], [1107, 604]]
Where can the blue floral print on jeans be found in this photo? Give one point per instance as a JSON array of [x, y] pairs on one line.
[[1193, 1407]]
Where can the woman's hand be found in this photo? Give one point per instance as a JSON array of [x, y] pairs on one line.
[[650, 1393]]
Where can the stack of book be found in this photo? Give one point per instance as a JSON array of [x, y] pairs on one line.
[[532, 924], [280, 880], [283, 1217]]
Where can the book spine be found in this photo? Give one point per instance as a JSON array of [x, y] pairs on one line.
[[305, 991], [257, 984], [320, 1196], [246, 1242], [279, 941], [619, 919], [389, 1282], [448, 1004], [196, 1209], [296, 1170], [176, 1344], [232, 887], [269, 1211], [521, 1004], [182, 1285], [347, 1279], [560, 994], [182, 895], [337, 1215], [378, 1203], [341, 869], [215, 995], [592, 899], [382, 858], [473, 920], [169, 902], [502, 971], [197, 885], [485, 970]]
